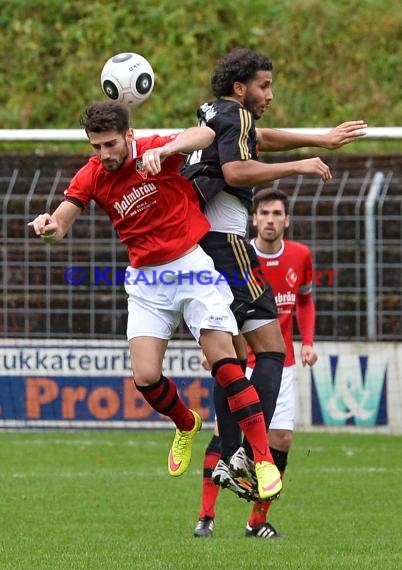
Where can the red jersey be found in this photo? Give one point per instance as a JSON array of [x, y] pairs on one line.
[[289, 272], [156, 216]]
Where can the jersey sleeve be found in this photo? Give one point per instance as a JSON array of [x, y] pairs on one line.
[[305, 316], [305, 308], [235, 134], [79, 189]]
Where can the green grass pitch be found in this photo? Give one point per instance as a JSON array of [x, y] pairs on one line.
[[103, 500]]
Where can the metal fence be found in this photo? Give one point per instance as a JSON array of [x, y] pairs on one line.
[[352, 225]]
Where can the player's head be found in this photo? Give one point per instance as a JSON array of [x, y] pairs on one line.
[[270, 214], [270, 195], [107, 125], [105, 116], [247, 76]]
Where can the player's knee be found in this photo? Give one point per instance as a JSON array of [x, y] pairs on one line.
[[281, 439], [286, 441], [268, 338], [278, 345], [146, 377], [217, 346]]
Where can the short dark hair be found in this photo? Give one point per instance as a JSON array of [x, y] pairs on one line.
[[269, 195], [238, 65], [105, 116]]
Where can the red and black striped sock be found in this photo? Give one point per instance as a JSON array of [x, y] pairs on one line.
[[163, 397], [244, 404]]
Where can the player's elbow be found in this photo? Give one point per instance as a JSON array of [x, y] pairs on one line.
[[209, 136], [234, 174]]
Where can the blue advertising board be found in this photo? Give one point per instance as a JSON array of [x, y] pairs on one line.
[[54, 384]]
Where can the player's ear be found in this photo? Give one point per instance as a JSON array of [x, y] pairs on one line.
[[239, 88], [254, 220], [287, 221], [130, 134]]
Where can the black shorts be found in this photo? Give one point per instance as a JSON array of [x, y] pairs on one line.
[[236, 259]]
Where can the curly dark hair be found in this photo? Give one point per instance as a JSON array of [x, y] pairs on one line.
[[238, 65], [105, 116]]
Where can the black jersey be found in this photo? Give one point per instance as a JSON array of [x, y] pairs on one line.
[[235, 139]]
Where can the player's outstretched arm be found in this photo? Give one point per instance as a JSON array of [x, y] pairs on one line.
[[279, 140], [344, 133], [191, 139], [194, 138], [53, 227], [254, 173]]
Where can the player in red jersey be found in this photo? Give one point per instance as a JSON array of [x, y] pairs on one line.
[[287, 265], [156, 215]]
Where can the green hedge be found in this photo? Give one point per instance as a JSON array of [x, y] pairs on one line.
[[333, 60]]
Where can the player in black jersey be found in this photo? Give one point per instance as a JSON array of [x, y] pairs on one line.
[[224, 175]]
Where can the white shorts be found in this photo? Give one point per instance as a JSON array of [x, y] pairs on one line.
[[284, 415], [190, 286]]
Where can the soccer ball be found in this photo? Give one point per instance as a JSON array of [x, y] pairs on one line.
[[127, 78]]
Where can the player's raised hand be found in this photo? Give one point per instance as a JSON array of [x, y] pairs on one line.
[[344, 133]]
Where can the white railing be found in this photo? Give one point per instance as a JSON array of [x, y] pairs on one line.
[[390, 133]]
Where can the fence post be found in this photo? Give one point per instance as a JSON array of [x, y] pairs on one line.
[[371, 242]]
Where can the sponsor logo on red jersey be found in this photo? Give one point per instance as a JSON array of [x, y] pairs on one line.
[[137, 194], [291, 277]]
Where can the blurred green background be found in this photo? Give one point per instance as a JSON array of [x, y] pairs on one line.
[[334, 60]]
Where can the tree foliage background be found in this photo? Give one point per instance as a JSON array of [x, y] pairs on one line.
[[334, 60]]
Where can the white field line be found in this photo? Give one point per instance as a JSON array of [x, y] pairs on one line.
[[87, 442], [102, 471], [161, 472]]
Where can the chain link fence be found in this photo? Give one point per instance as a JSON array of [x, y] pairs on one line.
[[75, 289]]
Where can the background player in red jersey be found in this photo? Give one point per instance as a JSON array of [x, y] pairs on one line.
[[288, 267], [156, 215]]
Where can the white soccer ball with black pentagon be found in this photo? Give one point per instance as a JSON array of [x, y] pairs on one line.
[[127, 78]]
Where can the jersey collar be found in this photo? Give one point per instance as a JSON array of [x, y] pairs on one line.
[[269, 255]]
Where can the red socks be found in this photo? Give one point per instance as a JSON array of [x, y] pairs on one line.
[[210, 491], [259, 513]]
